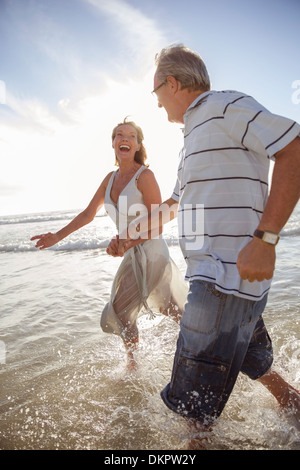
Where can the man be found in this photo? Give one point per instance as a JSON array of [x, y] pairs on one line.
[[229, 140]]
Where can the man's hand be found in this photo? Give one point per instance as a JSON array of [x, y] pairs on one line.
[[119, 246], [256, 261]]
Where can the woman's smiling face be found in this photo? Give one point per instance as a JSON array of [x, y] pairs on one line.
[[125, 142]]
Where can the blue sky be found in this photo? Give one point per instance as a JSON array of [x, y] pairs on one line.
[[72, 69]]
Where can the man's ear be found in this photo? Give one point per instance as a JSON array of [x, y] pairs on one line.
[[173, 83]]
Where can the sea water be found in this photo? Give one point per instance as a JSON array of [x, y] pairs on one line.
[[64, 383]]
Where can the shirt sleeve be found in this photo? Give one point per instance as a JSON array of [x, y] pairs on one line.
[[175, 194], [176, 191], [259, 130]]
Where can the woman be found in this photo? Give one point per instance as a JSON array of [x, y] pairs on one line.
[[147, 277]]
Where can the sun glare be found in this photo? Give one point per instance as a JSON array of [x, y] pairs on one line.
[[66, 155]]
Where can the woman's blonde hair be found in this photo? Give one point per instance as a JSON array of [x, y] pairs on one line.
[[141, 155]]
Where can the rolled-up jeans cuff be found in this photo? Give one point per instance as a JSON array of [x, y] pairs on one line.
[[203, 419]]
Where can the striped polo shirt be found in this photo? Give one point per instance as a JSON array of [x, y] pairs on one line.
[[222, 184]]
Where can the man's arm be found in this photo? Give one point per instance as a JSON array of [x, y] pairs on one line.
[[143, 228], [256, 261]]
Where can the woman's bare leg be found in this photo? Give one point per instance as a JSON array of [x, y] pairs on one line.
[[124, 301], [130, 347], [173, 311]]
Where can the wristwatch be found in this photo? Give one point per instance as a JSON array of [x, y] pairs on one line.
[[268, 237]]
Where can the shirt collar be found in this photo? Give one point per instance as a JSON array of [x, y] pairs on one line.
[[198, 100]]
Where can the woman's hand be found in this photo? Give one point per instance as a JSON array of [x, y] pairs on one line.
[[113, 247], [45, 240]]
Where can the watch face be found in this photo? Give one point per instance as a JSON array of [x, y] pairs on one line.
[[270, 238]]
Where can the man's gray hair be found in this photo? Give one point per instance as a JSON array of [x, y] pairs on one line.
[[183, 64]]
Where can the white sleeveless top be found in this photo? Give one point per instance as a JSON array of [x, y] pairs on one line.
[[147, 276], [130, 204]]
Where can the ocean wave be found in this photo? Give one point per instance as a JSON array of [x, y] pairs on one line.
[[290, 232], [39, 218], [68, 245]]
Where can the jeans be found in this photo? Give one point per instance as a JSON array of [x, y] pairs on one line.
[[220, 335]]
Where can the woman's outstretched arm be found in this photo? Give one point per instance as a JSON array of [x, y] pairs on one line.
[[46, 240]]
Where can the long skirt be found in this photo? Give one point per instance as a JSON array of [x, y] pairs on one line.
[[147, 280]]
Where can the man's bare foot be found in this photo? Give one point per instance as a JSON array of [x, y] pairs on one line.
[[199, 435]]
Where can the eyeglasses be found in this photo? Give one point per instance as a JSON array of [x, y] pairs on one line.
[[158, 87]]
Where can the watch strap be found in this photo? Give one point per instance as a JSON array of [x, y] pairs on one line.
[[263, 236]]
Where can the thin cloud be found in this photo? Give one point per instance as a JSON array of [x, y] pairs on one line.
[[141, 39], [139, 35], [2, 92]]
